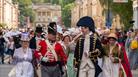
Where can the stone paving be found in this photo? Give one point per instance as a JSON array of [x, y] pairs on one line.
[[5, 69], [135, 73]]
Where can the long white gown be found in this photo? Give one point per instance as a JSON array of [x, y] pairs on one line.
[[111, 69], [23, 60]]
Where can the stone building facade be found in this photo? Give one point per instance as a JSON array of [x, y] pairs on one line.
[[135, 13], [45, 13], [9, 13], [94, 9]]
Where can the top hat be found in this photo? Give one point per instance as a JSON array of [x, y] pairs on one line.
[[38, 29], [86, 21]]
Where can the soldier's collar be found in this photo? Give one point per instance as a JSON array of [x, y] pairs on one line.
[[52, 42]]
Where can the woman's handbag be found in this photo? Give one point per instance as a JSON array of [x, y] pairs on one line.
[[12, 73], [134, 44]]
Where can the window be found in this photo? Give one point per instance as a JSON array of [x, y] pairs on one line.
[[43, 13], [48, 14], [39, 14]]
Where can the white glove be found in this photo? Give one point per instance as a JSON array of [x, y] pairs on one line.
[[65, 67], [75, 69], [45, 59]]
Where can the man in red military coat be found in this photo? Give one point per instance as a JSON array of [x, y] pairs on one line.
[[50, 54]]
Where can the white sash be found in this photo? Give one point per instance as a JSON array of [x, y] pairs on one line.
[[51, 49]]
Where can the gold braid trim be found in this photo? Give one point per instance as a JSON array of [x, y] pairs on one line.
[[95, 53], [79, 49], [75, 62]]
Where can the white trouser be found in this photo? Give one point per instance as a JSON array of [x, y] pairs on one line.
[[87, 72]]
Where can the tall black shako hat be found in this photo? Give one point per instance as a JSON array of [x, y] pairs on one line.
[[38, 29], [52, 28], [86, 21]]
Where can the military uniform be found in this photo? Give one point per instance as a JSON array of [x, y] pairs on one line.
[[46, 50], [88, 49]]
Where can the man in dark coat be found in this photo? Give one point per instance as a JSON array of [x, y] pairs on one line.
[[34, 45], [2, 41], [35, 40], [88, 49]]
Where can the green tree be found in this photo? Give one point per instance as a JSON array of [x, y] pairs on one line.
[[66, 5], [38, 1], [25, 10], [66, 14], [124, 10]]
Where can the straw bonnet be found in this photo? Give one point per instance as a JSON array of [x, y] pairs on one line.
[[66, 33], [25, 37], [112, 35]]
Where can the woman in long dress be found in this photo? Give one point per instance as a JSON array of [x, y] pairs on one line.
[[115, 59], [133, 54], [23, 57], [69, 50]]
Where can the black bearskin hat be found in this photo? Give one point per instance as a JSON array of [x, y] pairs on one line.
[[52, 28]]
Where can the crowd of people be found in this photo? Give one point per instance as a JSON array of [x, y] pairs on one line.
[[77, 52]]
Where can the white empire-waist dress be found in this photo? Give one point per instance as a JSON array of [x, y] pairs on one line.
[[23, 60]]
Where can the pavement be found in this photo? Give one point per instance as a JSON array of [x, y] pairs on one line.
[[5, 69], [135, 73]]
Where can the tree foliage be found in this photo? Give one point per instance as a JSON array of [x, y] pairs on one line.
[[25, 11], [67, 5], [37, 1], [66, 14], [124, 10]]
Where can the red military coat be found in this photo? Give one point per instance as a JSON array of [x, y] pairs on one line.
[[43, 49]]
